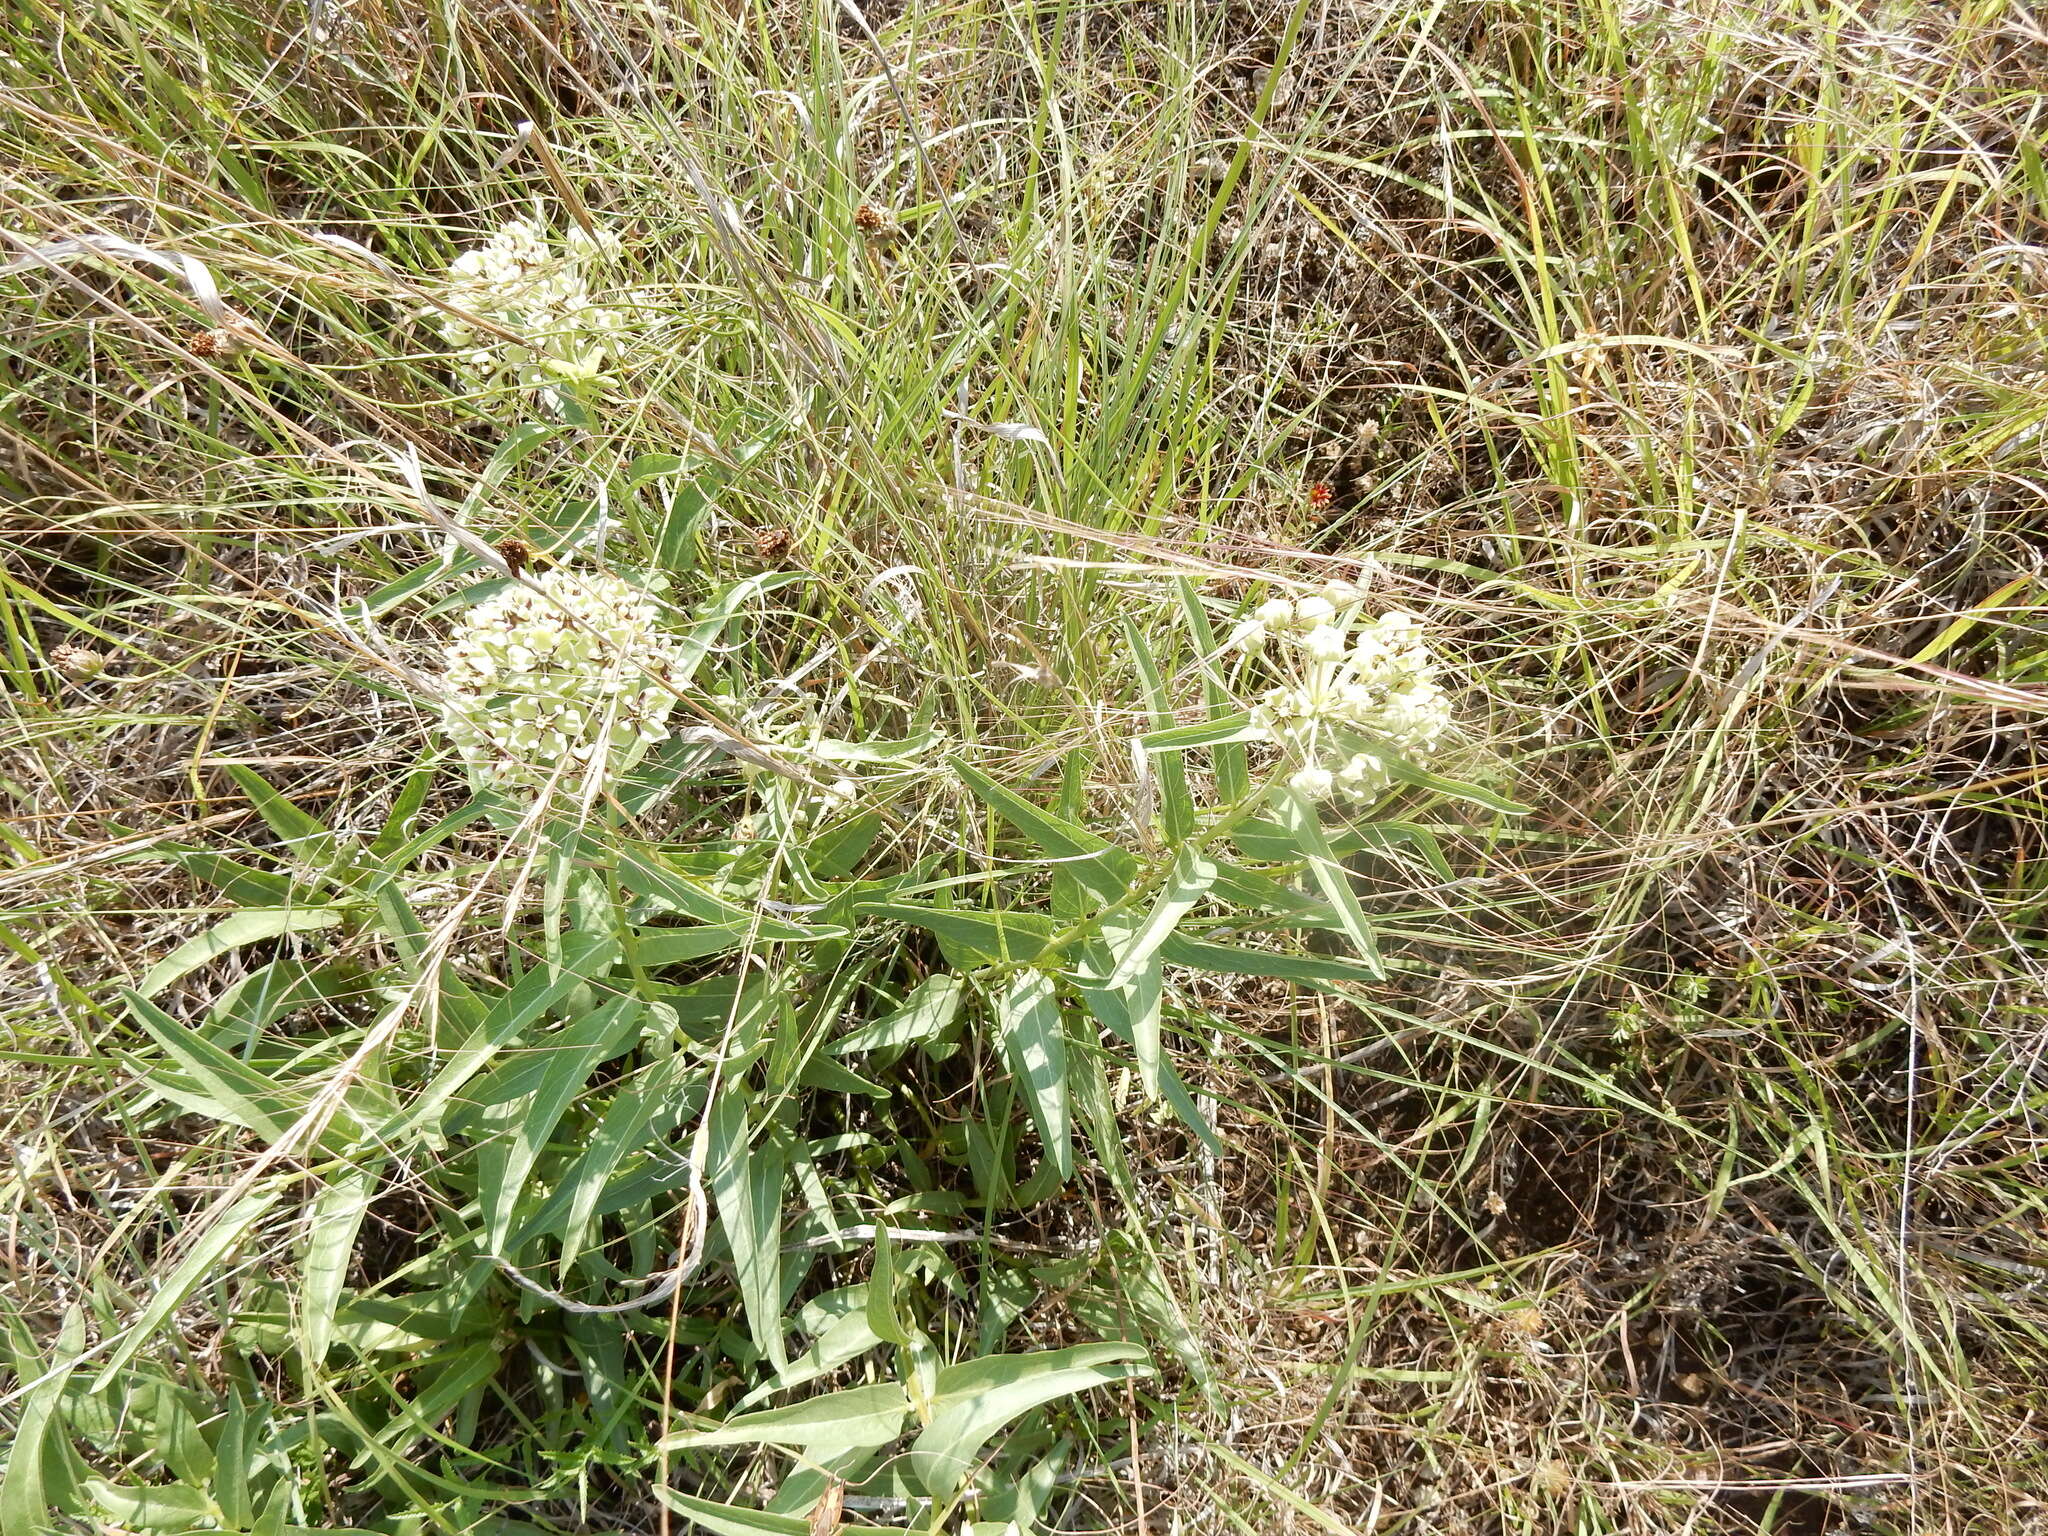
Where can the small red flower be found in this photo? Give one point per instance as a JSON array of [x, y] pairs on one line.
[[1320, 496]]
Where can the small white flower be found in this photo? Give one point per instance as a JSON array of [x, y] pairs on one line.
[[1314, 782], [1311, 611], [1324, 643], [1275, 613], [1247, 635]]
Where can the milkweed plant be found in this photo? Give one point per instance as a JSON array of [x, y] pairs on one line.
[[687, 1074]]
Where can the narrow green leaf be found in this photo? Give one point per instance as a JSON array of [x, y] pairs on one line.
[[1113, 1011], [1176, 800], [250, 926], [332, 1221], [1451, 789], [882, 1317], [1226, 758], [306, 835], [1104, 869], [585, 955], [675, 546], [227, 1088], [1235, 960], [1305, 827], [238, 1454], [1223, 731], [201, 1262], [925, 1015], [562, 1063], [1034, 1038], [709, 622], [746, 1183], [970, 938], [979, 1397], [642, 1110], [677, 946], [1387, 834], [1192, 876], [840, 1330], [730, 1519], [828, 1076], [402, 856], [138, 1507], [268, 993], [240, 883], [1134, 956], [642, 871], [858, 1418], [404, 806], [439, 1384], [29, 1496], [651, 466]]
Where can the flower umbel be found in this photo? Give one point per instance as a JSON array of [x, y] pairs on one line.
[[520, 282], [1360, 689], [552, 683]]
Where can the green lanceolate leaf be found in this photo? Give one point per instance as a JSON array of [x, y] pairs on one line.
[[1134, 956], [332, 1221], [1102, 868], [202, 1262], [883, 1320], [1451, 789], [1235, 960], [29, 1495], [1113, 1011], [746, 1183], [240, 883], [584, 956], [1176, 800], [1227, 729], [1299, 817], [925, 1015], [1226, 757], [1190, 882], [709, 622], [304, 834], [643, 871], [642, 1111], [731, 1519], [1034, 1039], [137, 1507], [215, 1083], [970, 938], [250, 926], [857, 1418], [975, 1399], [559, 1066]]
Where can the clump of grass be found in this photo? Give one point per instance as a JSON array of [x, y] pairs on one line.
[[1658, 1159]]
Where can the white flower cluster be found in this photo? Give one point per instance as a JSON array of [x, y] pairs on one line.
[[520, 282], [1361, 688], [549, 684]]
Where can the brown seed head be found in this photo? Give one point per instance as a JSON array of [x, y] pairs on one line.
[[79, 661], [519, 556]]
